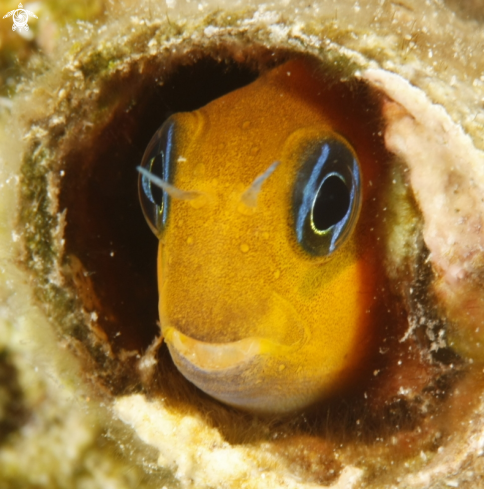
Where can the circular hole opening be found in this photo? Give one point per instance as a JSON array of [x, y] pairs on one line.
[[113, 253]]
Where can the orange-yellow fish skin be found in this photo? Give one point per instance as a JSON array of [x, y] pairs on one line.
[[228, 272]]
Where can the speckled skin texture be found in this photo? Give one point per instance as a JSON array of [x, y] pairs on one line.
[[73, 413], [308, 318]]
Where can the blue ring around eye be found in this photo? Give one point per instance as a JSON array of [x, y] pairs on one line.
[[322, 159], [146, 183], [161, 144], [310, 192]]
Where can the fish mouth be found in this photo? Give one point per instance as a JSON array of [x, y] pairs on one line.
[[215, 356], [248, 373], [218, 356], [239, 373]]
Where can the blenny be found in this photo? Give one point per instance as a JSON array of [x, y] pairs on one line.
[[273, 292], [384, 293]]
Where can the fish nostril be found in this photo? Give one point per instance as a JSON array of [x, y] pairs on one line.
[[249, 197]]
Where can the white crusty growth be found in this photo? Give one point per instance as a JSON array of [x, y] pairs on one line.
[[447, 178]]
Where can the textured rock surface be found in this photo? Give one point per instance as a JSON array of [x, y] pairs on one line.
[[63, 387]]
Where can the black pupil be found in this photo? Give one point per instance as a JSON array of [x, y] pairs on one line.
[[157, 169], [331, 204]]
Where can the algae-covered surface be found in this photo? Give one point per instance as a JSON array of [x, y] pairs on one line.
[[85, 403]]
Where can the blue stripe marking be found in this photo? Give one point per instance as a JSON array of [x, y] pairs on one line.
[[309, 192], [340, 225], [166, 172]]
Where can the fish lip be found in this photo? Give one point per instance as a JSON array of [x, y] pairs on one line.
[[213, 356], [216, 357], [231, 372]]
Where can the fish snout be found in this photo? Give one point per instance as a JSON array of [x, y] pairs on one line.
[[245, 365]]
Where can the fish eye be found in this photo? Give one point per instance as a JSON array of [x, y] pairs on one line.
[[157, 159], [327, 196]]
